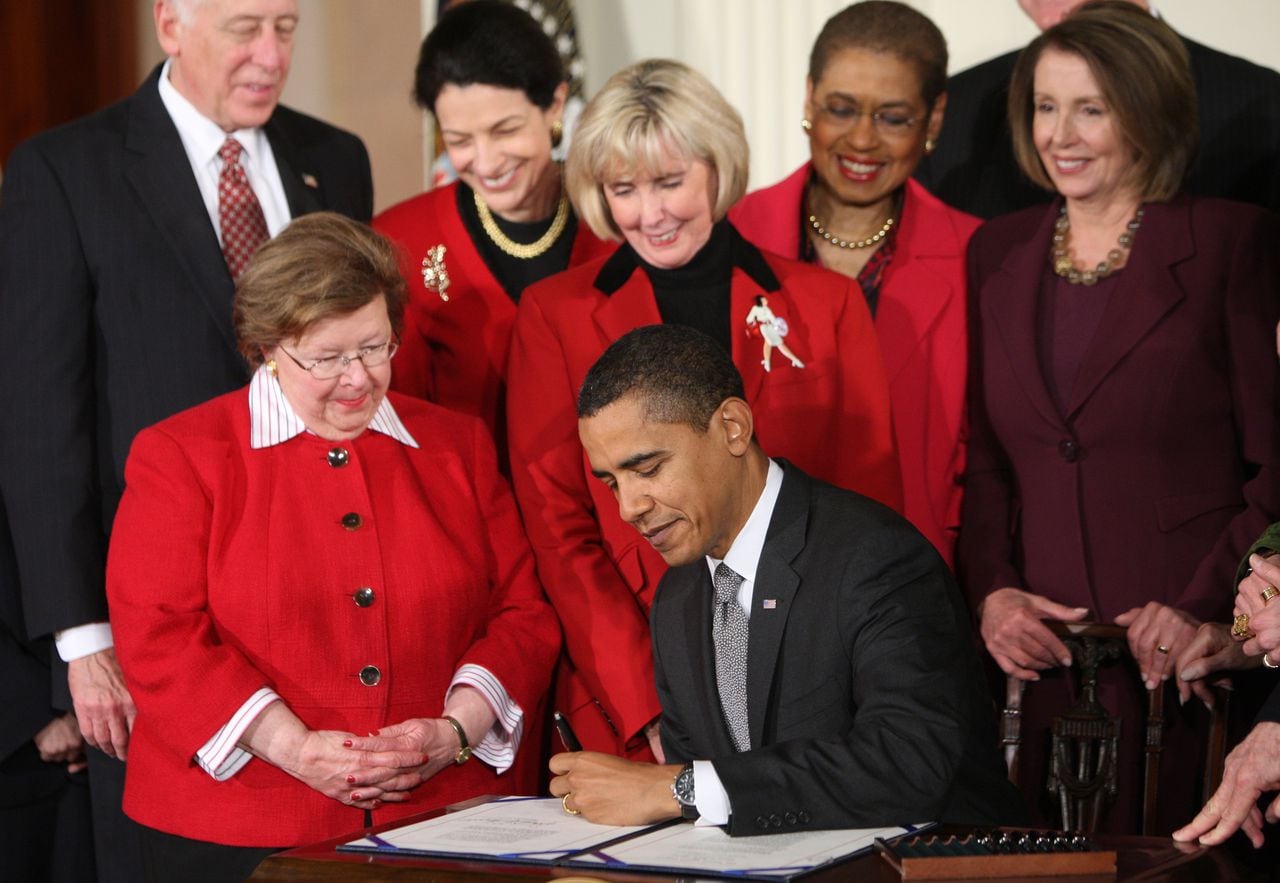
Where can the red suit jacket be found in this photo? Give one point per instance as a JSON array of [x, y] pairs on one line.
[[831, 418], [1162, 471], [454, 352], [920, 320], [231, 569]]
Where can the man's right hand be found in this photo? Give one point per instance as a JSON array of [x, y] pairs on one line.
[[104, 707]]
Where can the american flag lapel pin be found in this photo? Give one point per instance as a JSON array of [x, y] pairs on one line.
[[769, 604]]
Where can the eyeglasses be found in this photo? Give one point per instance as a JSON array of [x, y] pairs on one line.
[[890, 123], [335, 366]]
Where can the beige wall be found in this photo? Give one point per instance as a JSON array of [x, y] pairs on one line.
[[353, 62]]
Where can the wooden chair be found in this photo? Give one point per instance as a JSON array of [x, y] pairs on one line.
[[1085, 746]]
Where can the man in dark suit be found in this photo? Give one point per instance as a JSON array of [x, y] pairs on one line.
[[973, 167], [119, 237], [813, 658]]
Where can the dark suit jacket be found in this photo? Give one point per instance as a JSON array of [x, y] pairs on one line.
[[1239, 104], [866, 699], [1163, 468], [115, 312]]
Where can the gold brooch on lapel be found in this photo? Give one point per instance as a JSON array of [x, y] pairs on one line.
[[762, 323], [435, 275]]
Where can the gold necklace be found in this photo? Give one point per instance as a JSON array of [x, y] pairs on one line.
[[855, 243], [519, 249], [1063, 265]]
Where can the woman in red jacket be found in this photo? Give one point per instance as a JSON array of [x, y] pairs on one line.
[[495, 84], [310, 560], [873, 108], [657, 159]]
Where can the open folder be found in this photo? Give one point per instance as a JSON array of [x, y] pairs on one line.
[[537, 830]]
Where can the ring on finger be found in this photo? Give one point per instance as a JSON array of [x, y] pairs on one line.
[[1268, 593], [1163, 649], [1266, 660], [1240, 627], [564, 801]]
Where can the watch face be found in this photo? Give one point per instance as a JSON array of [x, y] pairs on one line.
[[684, 786]]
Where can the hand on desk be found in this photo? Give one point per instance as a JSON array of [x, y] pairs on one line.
[[608, 790], [1252, 769]]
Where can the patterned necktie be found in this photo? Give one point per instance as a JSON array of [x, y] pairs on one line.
[[729, 630], [240, 217]]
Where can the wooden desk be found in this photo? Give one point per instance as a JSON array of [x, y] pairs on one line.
[[1138, 858]]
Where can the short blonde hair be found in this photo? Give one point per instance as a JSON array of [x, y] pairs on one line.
[[321, 266], [642, 109], [1143, 70]]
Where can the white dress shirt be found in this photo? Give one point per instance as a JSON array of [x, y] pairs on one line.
[[273, 421], [743, 558]]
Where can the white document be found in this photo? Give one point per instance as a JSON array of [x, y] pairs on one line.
[[509, 828], [686, 848]]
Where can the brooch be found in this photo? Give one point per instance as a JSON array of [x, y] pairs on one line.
[[762, 323], [435, 275]]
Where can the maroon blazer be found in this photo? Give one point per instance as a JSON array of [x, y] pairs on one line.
[[831, 418], [921, 326], [454, 352], [1163, 469], [231, 569]]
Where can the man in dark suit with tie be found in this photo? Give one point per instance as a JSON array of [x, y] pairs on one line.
[[814, 660], [120, 236], [973, 168]]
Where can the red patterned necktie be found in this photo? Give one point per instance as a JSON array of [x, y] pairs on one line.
[[244, 227]]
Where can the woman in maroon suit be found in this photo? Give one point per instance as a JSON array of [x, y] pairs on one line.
[[496, 86], [270, 594], [873, 108], [1124, 443], [657, 159]]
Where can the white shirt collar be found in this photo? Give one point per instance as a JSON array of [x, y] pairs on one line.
[[201, 136], [743, 556], [273, 421]]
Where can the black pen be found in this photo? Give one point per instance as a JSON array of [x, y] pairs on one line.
[[567, 735]]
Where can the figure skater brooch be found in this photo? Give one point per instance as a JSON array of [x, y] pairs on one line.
[[435, 276], [762, 323]]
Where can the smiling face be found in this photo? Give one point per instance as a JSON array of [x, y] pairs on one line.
[[500, 143], [665, 214], [230, 58], [342, 407], [857, 161], [1076, 134], [682, 489]]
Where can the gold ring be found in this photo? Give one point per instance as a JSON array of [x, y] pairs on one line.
[[564, 801], [1163, 649], [1266, 660], [1240, 628], [1268, 593]]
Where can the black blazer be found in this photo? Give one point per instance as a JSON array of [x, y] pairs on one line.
[[115, 312], [1239, 107], [866, 698]]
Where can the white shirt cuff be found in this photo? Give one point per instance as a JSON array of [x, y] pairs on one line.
[[221, 757], [83, 640], [709, 795], [499, 745]]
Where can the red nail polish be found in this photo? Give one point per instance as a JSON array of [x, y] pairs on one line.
[[351, 780], [356, 797], [346, 743]]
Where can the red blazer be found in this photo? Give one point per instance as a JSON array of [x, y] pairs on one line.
[[830, 418], [920, 321], [1163, 470], [454, 353], [230, 569]]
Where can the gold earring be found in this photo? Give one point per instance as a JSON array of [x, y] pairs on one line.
[[929, 145], [271, 367], [557, 133], [806, 125]]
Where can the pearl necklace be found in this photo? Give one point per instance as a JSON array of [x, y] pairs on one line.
[[845, 243], [519, 249], [1063, 265]]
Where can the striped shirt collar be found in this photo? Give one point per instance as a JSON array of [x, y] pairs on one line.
[[273, 421]]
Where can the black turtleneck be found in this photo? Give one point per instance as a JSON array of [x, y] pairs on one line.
[[697, 294], [515, 274]]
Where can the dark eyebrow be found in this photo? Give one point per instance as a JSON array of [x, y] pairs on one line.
[[636, 459]]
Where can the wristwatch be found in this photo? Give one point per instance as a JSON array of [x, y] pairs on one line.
[[464, 749], [682, 791]]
